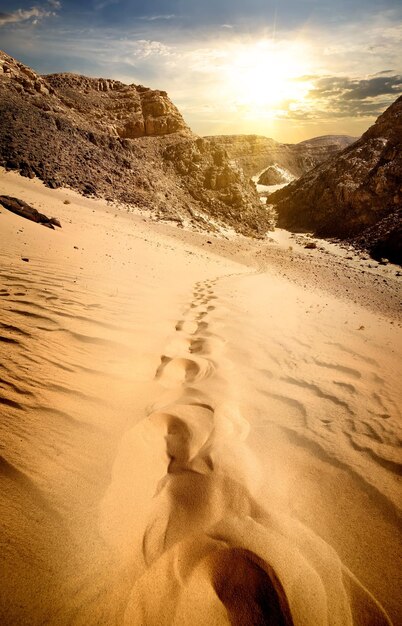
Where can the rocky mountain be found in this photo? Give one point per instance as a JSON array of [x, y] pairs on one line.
[[356, 194], [122, 142], [258, 155]]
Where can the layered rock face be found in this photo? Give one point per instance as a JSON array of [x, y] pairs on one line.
[[121, 142], [251, 153], [254, 153], [357, 194], [127, 111]]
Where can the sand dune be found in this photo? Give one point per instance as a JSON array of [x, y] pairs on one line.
[[187, 439]]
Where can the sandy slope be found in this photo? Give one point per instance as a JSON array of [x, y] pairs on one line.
[[191, 437]]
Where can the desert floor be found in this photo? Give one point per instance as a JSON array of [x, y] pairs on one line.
[[196, 428]]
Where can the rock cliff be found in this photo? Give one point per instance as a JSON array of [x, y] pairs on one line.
[[254, 153], [355, 195], [122, 142], [127, 111]]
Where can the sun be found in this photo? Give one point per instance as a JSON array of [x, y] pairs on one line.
[[263, 76]]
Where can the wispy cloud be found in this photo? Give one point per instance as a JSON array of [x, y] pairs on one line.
[[374, 44], [156, 18], [35, 14]]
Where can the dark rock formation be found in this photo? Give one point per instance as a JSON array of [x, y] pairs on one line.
[[121, 142], [253, 153], [355, 195], [25, 210], [384, 239]]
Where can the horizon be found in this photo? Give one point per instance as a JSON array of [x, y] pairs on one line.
[[290, 72]]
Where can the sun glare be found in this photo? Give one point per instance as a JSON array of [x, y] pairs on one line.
[[263, 76]]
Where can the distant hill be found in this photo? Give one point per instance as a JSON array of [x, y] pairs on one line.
[[356, 194], [120, 142], [332, 141]]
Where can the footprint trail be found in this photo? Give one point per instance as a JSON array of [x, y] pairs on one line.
[[211, 553]]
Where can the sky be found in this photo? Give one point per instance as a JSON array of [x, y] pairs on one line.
[[287, 69]]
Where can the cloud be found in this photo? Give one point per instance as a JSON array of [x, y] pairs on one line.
[[384, 72], [35, 14], [143, 48], [332, 99], [21, 16], [360, 97], [155, 18], [373, 87]]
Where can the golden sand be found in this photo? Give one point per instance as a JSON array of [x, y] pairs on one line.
[[187, 439]]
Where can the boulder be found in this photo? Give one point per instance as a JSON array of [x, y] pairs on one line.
[[19, 207]]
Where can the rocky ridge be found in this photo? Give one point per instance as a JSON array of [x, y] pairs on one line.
[[127, 111], [255, 154], [356, 194], [126, 143]]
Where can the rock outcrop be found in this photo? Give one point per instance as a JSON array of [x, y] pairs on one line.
[[127, 111], [122, 142], [355, 195], [254, 153], [273, 175]]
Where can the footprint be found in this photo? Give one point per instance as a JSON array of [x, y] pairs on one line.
[[202, 326], [163, 363], [178, 345], [197, 346], [249, 588], [180, 370], [206, 345], [187, 430], [189, 327], [189, 396]]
